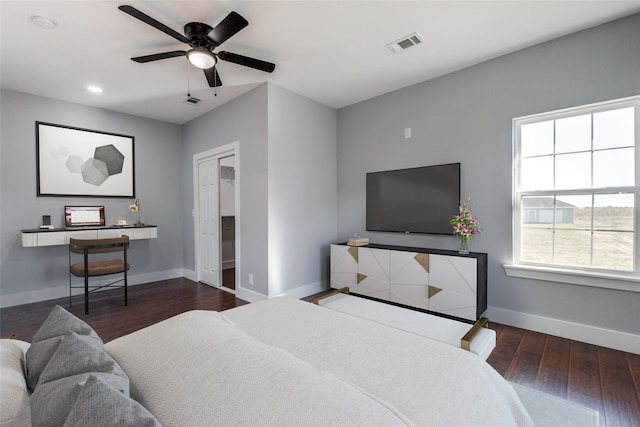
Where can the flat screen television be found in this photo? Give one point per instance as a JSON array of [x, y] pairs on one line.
[[416, 200], [84, 216]]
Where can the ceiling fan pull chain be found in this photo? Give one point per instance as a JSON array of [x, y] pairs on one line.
[[188, 80]]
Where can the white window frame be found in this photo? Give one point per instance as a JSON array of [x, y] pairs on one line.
[[629, 281]]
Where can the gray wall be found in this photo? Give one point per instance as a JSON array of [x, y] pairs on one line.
[[245, 120], [466, 117], [33, 274], [287, 175], [287, 160], [302, 192]]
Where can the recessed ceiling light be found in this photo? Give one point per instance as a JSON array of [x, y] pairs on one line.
[[43, 22], [94, 89]]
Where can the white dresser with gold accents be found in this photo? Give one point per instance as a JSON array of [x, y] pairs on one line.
[[439, 281]]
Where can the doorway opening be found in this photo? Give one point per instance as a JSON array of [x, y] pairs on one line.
[[228, 222], [216, 213]]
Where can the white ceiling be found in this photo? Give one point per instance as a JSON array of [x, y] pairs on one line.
[[331, 51]]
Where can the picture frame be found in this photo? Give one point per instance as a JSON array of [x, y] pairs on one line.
[[76, 162]]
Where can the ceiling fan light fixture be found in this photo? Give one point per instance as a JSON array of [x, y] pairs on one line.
[[201, 58]]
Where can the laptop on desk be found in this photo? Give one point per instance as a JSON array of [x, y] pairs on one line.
[[84, 216]]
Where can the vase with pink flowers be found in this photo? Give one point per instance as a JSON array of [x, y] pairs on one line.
[[465, 225]]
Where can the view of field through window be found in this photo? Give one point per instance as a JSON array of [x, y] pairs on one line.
[[575, 187], [608, 246]]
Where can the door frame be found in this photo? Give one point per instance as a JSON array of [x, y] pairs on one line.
[[231, 149]]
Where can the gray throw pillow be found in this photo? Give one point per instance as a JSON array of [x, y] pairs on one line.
[[76, 358], [37, 357], [46, 340], [101, 405], [52, 402], [79, 354]]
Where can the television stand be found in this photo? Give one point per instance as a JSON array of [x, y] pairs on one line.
[[440, 281]]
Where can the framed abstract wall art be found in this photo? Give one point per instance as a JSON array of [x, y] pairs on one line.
[[83, 163]]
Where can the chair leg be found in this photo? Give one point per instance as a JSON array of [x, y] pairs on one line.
[[126, 264], [69, 278], [86, 294], [86, 281], [125, 286]]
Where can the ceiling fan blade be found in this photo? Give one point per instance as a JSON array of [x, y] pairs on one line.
[[158, 56], [212, 77], [229, 26], [149, 20], [247, 62]]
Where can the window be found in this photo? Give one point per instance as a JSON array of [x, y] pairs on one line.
[[575, 189]]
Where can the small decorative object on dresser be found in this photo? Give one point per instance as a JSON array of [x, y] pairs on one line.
[[465, 225], [356, 240]]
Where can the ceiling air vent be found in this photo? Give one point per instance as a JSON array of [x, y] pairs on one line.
[[405, 43], [192, 101]]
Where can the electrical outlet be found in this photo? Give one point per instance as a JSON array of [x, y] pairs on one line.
[[251, 279], [407, 133]]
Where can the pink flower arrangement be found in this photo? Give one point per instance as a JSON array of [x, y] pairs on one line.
[[464, 224]]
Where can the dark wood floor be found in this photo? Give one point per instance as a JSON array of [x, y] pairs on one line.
[[604, 379], [148, 304], [601, 378]]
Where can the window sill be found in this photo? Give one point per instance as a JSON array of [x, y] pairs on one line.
[[624, 282]]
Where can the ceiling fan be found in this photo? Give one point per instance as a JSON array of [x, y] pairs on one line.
[[203, 39]]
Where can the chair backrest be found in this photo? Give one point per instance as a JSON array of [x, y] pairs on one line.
[[99, 246]]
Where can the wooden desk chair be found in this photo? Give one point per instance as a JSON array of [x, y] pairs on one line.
[[101, 267]]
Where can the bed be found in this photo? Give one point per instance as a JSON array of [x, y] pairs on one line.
[[285, 362]]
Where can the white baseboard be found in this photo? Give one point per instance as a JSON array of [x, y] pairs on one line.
[[304, 291], [585, 333], [249, 295], [240, 292], [297, 293], [253, 296], [189, 274], [156, 276], [63, 291]]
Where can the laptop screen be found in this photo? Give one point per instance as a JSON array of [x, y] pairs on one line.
[[84, 216]]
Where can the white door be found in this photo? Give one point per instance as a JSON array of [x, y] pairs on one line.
[[207, 213], [209, 223]]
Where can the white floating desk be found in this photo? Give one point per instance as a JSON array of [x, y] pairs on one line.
[[61, 236]]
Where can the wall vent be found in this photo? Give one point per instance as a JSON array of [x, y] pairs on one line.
[[405, 43], [192, 101]]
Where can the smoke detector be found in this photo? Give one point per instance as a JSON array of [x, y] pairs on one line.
[[42, 22], [405, 43]]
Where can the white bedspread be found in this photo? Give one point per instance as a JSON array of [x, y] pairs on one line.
[[284, 362], [430, 382], [197, 369]]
